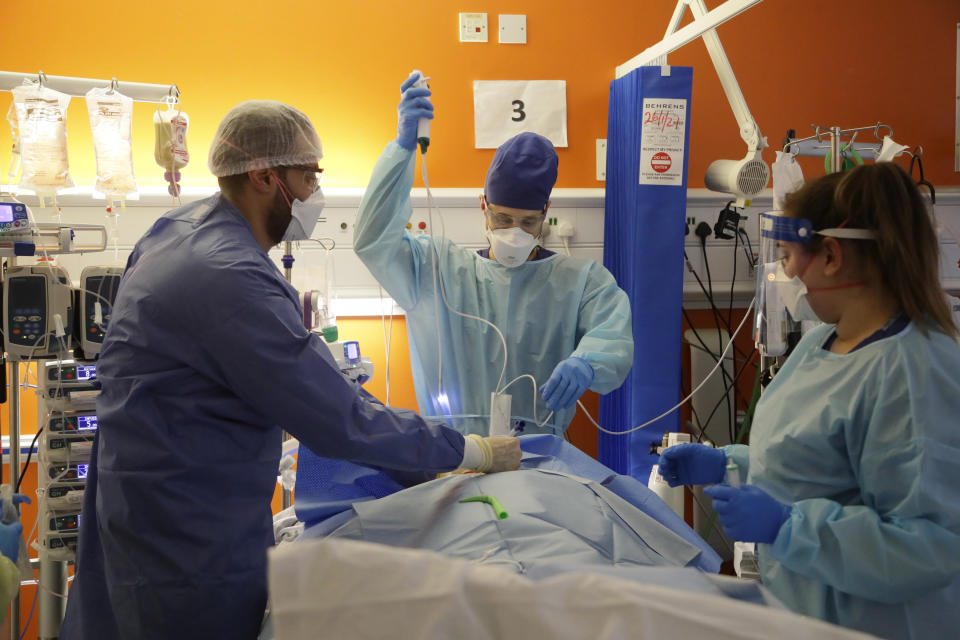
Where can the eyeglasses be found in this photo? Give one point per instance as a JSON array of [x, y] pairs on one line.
[[311, 176], [529, 223]]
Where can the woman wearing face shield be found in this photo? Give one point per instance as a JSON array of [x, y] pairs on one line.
[[855, 452]]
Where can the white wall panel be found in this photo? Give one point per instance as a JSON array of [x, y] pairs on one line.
[[460, 213]]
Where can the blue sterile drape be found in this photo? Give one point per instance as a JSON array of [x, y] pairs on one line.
[[643, 248]]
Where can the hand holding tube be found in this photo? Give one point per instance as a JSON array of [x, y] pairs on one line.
[[570, 378], [691, 463], [414, 104]]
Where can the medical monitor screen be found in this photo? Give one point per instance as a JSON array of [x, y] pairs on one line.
[[86, 423], [352, 350], [82, 471], [6, 213]]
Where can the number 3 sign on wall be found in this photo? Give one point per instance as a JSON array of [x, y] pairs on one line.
[[504, 108]]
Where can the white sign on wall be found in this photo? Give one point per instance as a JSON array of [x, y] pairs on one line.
[[504, 108], [662, 141]]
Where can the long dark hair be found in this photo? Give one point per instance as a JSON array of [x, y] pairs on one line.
[[883, 197]]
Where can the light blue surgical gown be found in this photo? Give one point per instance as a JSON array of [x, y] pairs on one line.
[[547, 309], [205, 360], [866, 447]]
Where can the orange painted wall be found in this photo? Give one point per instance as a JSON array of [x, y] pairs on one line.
[[849, 62]]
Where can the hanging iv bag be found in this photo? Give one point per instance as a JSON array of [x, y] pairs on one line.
[[111, 117], [42, 120], [170, 151], [14, 168]]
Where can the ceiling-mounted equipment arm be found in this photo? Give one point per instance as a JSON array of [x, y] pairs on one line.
[[676, 38], [743, 178], [749, 130]]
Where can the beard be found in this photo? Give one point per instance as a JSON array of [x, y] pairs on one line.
[[278, 218]]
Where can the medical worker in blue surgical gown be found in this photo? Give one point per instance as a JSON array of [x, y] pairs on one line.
[[205, 360], [564, 319], [854, 460]]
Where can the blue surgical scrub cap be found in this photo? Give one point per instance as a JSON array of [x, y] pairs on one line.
[[523, 172]]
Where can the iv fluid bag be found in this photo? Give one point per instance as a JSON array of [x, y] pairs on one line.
[[15, 139], [170, 151], [111, 116], [42, 119]]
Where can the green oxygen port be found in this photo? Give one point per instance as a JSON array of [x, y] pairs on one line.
[[330, 334]]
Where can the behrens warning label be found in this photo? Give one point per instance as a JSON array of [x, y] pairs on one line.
[[662, 141]]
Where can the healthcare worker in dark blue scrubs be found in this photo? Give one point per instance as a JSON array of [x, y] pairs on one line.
[[205, 361]]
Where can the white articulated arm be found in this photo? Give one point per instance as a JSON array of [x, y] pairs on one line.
[[749, 130]]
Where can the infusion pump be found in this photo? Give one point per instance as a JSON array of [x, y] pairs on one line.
[[98, 290], [37, 311]]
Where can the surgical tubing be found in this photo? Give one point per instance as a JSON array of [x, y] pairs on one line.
[[493, 502], [437, 269], [685, 400]]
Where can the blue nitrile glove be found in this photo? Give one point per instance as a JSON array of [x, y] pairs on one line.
[[570, 378], [414, 104], [10, 539], [748, 514], [692, 463], [10, 516]]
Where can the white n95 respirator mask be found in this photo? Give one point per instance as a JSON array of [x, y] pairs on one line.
[[304, 215], [511, 247], [793, 294]]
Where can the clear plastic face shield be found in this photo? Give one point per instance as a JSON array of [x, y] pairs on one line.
[[774, 323], [781, 293]]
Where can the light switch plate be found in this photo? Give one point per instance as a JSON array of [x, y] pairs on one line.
[[473, 27], [601, 159], [513, 29]]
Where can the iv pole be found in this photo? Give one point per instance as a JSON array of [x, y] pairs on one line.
[[52, 581]]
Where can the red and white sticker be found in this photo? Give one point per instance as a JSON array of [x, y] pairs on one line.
[[663, 127], [660, 162]]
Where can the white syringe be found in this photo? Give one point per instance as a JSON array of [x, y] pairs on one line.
[[423, 125]]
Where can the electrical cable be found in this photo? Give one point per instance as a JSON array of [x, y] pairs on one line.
[[26, 465], [726, 376], [716, 313], [709, 298], [687, 399], [732, 413], [438, 276], [733, 279], [718, 317], [387, 340], [33, 606], [726, 391]]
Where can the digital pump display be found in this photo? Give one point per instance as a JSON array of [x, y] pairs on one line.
[[86, 423], [88, 372], [351, 350], [82, 471], [6, 213]]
